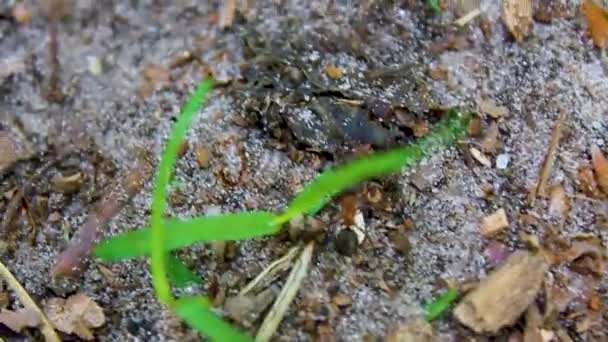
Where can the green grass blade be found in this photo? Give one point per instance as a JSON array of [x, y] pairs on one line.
[[440, 304], [435, 5], [336, 180], [179, 274], [196, 311], [182, 233], [157, 240]]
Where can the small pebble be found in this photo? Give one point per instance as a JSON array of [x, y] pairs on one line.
[[346, 242], [502, 161], [203, 156], [94, 65]]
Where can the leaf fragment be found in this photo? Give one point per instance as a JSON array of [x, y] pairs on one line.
[[597, 19], [600, 165], [494, 223], [19, 319], [75, 315]]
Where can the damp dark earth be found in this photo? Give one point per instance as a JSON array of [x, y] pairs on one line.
[[514, 216]]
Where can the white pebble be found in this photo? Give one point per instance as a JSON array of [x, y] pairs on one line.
[[94, 65], [502, 161]]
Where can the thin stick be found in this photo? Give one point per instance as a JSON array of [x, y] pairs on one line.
[[270, 272], [467, 17], [288, 293], [70, 261], [545, 171], [47, 329]]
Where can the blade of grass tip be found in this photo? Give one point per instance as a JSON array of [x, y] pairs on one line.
[[196, 311], [439, 305], [185, 232], [158, 253], [179, 274]]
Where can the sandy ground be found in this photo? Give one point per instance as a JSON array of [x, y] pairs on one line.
[[105, 120]]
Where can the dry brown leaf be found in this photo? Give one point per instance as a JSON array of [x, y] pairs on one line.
[[334, 72], [595, 301], [517, 16], [600, 165], [597, 19], [586, 255], [22, 318], [585, 181], [504, 295], [559, 203], [76, 315], [494, 223]]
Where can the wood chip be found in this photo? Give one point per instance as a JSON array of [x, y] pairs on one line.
[[334, 72], [502, 297], [600, 165], [67, 184], [517, 16], [597, 20], [480, 157], [547, 166], [494, 223], [416, 331], [227, 13], [490, 108], [559, 203]]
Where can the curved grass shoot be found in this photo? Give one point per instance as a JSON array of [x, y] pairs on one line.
[[158, 253], [156, 243]]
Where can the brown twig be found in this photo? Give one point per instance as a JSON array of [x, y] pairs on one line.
[[70, 261], [547, 166], [47, 328]]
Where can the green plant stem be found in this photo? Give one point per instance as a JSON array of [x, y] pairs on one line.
[[158, 253]]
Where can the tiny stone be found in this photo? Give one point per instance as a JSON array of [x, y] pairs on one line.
[[203, 156], [502, 161], [94, 65], [401, 242], [346, 242]]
